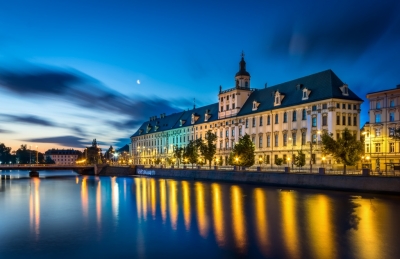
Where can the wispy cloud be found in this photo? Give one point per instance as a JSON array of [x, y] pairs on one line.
[[67, 141], [27, 119]]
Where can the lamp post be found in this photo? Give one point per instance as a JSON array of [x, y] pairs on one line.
[[37, 155], [30, 154], [291, 140]]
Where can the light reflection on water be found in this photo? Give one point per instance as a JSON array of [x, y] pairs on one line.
[[152, 217]]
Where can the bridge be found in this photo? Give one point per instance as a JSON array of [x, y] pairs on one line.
[[35, 168]]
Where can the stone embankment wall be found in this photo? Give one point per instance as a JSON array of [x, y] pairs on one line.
[[333, 182], [115, 170]]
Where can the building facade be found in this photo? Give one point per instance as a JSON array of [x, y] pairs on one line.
[[280, 119], [384, 116], [63, 156]]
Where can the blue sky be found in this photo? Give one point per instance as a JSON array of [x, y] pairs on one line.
[[69, 70]]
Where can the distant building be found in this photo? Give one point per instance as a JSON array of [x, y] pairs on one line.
[[280, 120], [384, 117], [63, 156]]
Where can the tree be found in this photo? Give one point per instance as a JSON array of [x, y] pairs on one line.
[[49, 160], [300, 159], [208, 148], [279, 161], [243, 152], [93, 153], [347, 149], [191, 152], [178, 153], [109, 154]]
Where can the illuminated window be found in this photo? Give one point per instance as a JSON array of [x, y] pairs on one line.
[[377, 147], [284, 117], [391, 147], [261, 120], [314, 121], [284, 139], [260, 139]]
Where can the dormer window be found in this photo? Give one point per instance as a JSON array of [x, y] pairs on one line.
[[255, 105], [181, 122], [278, 98], [207, 116], [194, 118], [306, 94], [345, 90]]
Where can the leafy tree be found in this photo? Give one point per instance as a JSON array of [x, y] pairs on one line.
[[208, 148], [49, 160], [279, 161], [243, 152], [300, 159], [158, 161], [191, 152], [178, 153], [5, 154], [347, 149], [93, 154], [109, 154]]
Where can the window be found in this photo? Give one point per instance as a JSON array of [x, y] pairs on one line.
[[268, 120], [227, 107], [355, 121], [324, 106], [284, 159], [294, 116], [314, 121], [303, 138], [377, 118], [324, 120], [378, 105], [253, 139], [233, 96], [354, 106], [268, 141], [378, 147], [285, 139], [367, 148], [240, 131], [233, 106], [337, 120], [349, 121], [337, 136], [246, 84], [220, 134], [304, 115], [227, 144], [276, 118], [267, 159], [254, 122], [222, 108], [391, 147], [344, 120], [391, 103], [294, 139], [377, 132], [247, 123], [227, 133], [284, 117], [391, 116], [338, 105], [260, 139], [343, 106], [261, 120], [314, 108], [227, 97], [305, 95], [276, 140], [233, 132], [314, 138], [349, 106]]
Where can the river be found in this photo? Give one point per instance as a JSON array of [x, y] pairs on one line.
[[64, 215]]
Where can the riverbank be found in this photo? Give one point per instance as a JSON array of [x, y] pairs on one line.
[[372, 184]]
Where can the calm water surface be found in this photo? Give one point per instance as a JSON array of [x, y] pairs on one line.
[[63, 215]]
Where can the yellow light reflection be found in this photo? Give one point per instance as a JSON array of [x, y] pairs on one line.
[[186, 204], [320, 227], [77, 180], [144, 197], [163, 200], [138, 198], [202, 216], [34, 207], [153, 197], [218, 215], [84, 197], [261, 221], [289, 221], [173, 203], [367, 239], [238, 219], [115, 197]]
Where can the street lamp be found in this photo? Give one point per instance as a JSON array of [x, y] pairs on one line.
[[291, 140], [323, 161], [37, 155]]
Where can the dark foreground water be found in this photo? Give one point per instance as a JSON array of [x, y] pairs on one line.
[[69, 216]]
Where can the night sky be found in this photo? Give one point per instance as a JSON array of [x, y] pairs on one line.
[[72, 71]]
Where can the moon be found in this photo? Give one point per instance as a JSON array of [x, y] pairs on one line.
[[138, 82]]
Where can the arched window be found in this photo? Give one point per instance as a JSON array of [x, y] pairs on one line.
[[284, 117], [276, 118], [246, 84], [294, 116], [268, 120], [304, 114]]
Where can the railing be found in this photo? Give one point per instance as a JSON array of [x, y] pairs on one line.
[[281, 169]]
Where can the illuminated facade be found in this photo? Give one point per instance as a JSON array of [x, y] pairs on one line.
[[384, 117], [280, 119], [63, 156]]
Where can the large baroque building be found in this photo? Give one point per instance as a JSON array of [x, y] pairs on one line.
[[280, 119], [384, 116]]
